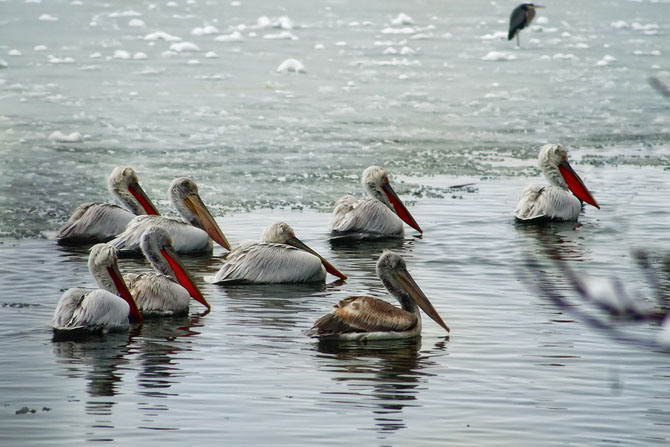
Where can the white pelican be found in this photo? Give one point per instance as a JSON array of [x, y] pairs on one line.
[[191, 234], [367, 318], [279, 257], [520, 18], [544, 203], [105, 309], [168, 292], [99, 222], [375, 217]]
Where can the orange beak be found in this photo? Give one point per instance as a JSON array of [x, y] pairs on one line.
[[183, 276], [400, 208], [195, 204], [330, 268], [124, 293], [576, 184]]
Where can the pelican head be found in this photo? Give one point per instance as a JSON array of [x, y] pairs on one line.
[[184, 195], [553, 161], [392, 270], [124, 184], [282, 233], [103, 266], [376, 183], [156, 245]]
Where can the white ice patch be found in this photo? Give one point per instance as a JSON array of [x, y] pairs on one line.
[[211, 55], [14, 52], [498, 56], [402, 19], [403, 30], [140, 56], [291, 65], [235, 36], [128, 13], [619, 24], [3, 63], [498, 35], [121, 54], [564, 56], [542, 20], [284, 35], [205, 30], [136, 23], [161, 35], [40, 48], [606, 60], [60, 60], [184, 47], [47, 18], [60, 137], [282, 22]]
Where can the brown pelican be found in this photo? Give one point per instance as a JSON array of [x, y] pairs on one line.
[[367, 318], [99, 222], [521, 17], [99, 310], [279, 257], [545, 203], [167, 292], [375, 217], [190, 234]]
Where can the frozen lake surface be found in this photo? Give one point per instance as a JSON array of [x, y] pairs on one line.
[[275, 110]]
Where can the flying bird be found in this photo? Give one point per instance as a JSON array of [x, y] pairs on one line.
[[367, 318], [95, 222], [539, 203]]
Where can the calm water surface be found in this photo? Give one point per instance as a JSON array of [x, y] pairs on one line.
[[442, 101]]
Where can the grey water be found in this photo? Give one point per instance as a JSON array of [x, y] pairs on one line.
[[440, 98]]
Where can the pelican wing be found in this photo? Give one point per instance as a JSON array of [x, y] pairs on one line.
[[93, 222], [185, 237], [90, 309], [517, 20], [538, 203], [367, 217], [157, 294], [363, 314], [264, 263]]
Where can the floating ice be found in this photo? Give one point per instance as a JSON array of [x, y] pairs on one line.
[[647, 53], [140, 56], [542, 20], [47, 18], [619, 24], [14, 52], [319, 46], [407, 51], [59, 137], [3, 63], [235, 36], [390, 50], [606, 60], [136, 23], [129, 13], [284, 35], [293, 65], [403, 30], [211, 55], [498, 35], [184, 47], [205, 30], [161, 35], [40, 48], [402, 19], [498, 56], [193, 62], [566, 56], [280, 22], [121, 54], [95, 55], [60, 60]]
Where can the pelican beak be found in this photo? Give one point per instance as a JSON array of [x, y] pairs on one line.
[[330, 268], [136, 190], [195, 204], [576, 184], [400, 208], [124, 293], [183, 276], [407, 282]]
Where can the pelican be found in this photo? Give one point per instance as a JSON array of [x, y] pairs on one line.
[[99, 222], [521, 17], [167, 292], [100, 310], [367, 318], [279, 258], [545, 203], [190, 234], [377, 217]]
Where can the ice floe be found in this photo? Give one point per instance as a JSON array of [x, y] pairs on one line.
[[283, 35], [184, 47], [205, 30], [606, 60], [121, 54], [161, 35], [14, 52], [47, 18], [136, 23], [60, 137], [235, 36], [291, 65], [402, 19], [498, 56]]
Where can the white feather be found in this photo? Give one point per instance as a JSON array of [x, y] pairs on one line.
[[92, 310], [547, 202], [367, 218], [185, 237], [157, 294], [94, 222]]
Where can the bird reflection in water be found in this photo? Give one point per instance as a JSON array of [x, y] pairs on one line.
[[391, 372], [561, 235]]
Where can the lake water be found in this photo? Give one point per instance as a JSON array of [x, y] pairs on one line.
[[440, 99]]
